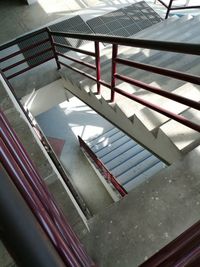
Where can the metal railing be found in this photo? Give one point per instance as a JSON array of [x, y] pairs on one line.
[[190, 49], [24, 175], [36, 194], [184, 251], [170, 7], [103, 170]]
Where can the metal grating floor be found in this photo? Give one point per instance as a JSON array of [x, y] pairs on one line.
[[74, 24], [33, 40], [126, 21]]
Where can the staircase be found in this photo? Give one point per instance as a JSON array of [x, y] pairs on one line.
[[166, 138], [129, 162]]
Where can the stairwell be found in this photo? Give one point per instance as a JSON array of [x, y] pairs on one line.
[[129, 162], [160, 208], [169, 140]]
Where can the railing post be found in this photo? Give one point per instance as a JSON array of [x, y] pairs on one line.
[[114, 68], [98, 66], [168, 9], [53, 48]]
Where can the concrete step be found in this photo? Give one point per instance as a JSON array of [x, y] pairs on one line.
[[137, 158], [112, 145], [144, 164], [98, 139], [168, 30], [160, 145], [111, 139], [153, 119], [183, 137], [135, 181], [125, 158], [109, 158]]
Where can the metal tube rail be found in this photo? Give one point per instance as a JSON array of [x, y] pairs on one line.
[[24, 50], [19, 226], [28, 68], [182, 251], [22, 38], [26, 59], [42, 193], [187, 48], [75, 49], [77, 61], [158, 91], [161, 110], [79, 71], [98, 66], [29, 195], [103, 168], [162, 71]]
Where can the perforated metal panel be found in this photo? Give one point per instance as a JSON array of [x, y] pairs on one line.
[[126, 21], [75, 24]]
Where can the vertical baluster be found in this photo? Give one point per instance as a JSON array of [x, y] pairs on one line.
[[53, 48], [98, 66], [114, 69]]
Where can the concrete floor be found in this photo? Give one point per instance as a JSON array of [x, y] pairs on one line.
[[126, 242], [64, 123], [151, 216], [18, 18]]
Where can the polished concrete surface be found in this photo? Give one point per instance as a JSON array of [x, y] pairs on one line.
[[151, 216], [62, 124]]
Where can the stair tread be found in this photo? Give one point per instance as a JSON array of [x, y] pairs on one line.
[[133, 163], [138, 169], [128, 160], [98, 139], [181, 135], [144, 176], [109, 159], [153, 119], [112, 146], [97, 148]]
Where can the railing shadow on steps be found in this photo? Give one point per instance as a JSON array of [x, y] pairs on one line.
[[104, 171], [52, 52]]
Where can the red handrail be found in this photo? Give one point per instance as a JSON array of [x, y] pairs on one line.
[[193, 49], [18, 164], [184, 251], [106, 173]]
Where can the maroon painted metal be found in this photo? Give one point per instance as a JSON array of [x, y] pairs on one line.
[[184, 251], [98, 66], [106, 173], [22, 38], [82, 51], [162, 71], [42, 193], [177, 47], [28, 68], [161, 110], [79, 71], [24, 50], [92, 66], [54, 49], [158, 91], [113, 71], [26, 59], [29, 195]]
